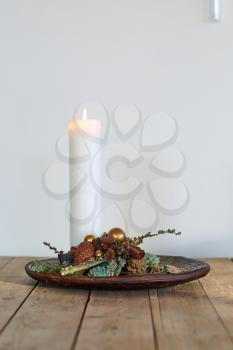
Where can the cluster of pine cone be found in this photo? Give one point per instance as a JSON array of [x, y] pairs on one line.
[[136, 266], [110, 247], [83, 252]]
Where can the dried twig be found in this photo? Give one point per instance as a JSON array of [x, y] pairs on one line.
[[53, 248], [138, 240]]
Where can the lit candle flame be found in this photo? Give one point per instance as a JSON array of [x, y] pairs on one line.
[[84, 114]]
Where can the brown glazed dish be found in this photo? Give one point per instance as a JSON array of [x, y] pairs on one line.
[[195, 269]]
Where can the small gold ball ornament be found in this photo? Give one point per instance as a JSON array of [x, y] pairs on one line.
[[89, 238], [98, 254], [118, 234]]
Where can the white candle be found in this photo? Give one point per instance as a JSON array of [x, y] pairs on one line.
[[83, 204], [215, 10]]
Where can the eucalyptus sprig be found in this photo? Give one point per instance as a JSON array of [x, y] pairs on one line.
[[139, 239]]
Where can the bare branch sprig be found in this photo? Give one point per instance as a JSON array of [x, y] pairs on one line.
[[53, 248]]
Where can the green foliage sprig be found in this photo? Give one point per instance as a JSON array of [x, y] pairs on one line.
[[46, 266]]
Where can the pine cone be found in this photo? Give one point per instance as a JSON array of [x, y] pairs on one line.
[[110, 254], [107, 241], [73, 250], [133, 252], [136, 266], [97, 244], [84, 251]]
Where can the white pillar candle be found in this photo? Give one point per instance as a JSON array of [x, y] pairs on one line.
[[215, 10], [83, 202]]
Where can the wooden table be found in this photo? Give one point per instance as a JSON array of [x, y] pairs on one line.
[[196, 315]]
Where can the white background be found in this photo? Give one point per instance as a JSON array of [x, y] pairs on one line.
[[161, 55]]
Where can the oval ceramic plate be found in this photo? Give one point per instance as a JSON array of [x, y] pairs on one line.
[[194, 269]]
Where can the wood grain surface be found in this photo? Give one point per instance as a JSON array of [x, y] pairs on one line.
[[14, 288], [117, 320], [219, 288], [4, 260], [192, 316]]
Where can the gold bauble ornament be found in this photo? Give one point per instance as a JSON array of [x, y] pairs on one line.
[[118, 234], [89, 238], [98, 254]]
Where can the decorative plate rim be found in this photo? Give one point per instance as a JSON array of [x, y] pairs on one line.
[[138, 281]]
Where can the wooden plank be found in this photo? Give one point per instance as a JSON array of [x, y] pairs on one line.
[[48, 319], [219, 266], [218, 286], [15, 286], [185, 319], [4, 260], [14, 272], [117, 320]]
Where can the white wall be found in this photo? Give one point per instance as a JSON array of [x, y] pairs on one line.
[[159, 54]]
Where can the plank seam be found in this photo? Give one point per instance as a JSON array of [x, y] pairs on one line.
[[7, 262], [159, 305], [156, 345], [75, 340], [214, 308], [17, 309]]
